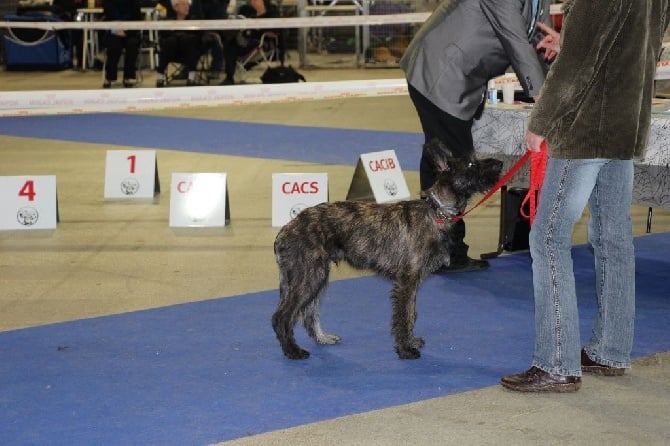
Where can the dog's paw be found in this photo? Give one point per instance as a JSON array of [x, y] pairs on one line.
[[417, 342], [408, 352], [328, 339], [296, 353]]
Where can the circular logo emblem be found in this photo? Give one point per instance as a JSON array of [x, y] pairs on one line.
[[130, 186], [27, 216], [390, 187]]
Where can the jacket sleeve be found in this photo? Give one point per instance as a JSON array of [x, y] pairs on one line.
[[511, 29], [589, 32]]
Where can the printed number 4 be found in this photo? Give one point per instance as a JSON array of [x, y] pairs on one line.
[[28, 190]]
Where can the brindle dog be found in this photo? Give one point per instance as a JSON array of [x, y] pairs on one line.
[[404, 241]]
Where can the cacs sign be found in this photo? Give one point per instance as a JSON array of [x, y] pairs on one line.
[[293, 192]]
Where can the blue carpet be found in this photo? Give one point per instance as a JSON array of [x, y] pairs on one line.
[[211, 371], [309, 144]]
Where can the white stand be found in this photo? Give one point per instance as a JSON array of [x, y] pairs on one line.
[[293, 192], [199, 200], [131, 174], [28, 202], [378, 177]]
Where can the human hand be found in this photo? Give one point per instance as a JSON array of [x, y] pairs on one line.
[[533, 141], [550, 43]]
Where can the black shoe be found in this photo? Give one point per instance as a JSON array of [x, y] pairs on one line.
[[537, 380], [107, 84], [160, 83], [129, 83], [590, 366], [228, 81], [191, 83], [464, 266]]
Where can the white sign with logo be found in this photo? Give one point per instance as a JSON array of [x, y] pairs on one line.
[[293, 192], [378, 177], [199, 200], [28, 202], [131, 174]]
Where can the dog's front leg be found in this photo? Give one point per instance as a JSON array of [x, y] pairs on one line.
[[403, 299]]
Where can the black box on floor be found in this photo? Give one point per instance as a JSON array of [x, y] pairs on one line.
[[514, 227]]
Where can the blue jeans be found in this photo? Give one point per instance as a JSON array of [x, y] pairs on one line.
[[569, 184]]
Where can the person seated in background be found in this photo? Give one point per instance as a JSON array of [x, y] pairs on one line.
[[212, 40], [180, 45], [116, 41], [246, 40]]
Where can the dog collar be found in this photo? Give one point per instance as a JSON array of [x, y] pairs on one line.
[[444, 211]]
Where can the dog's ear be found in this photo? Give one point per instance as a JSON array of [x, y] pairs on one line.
[[439, 153]]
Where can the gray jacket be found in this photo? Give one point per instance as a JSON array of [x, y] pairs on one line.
[[465, 43]]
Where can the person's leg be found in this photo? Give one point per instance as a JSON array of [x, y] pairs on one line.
[[611, 236], [231, 52], [212, 43], [189, 49], [567, 186], [132, 48], [114, 46], [167, 54], [456, 134]]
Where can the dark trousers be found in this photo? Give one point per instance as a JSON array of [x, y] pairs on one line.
[[116, 45], [456, 134], [179, 47]]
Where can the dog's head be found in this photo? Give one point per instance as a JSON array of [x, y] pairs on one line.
[[460, 178]]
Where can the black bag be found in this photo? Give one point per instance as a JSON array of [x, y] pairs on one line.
[[281, 75], [514, 227]]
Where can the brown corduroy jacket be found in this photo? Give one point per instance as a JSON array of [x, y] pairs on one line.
[[596, 101]]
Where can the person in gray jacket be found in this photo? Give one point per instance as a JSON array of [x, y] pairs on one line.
[[594, 113], [448, 63]]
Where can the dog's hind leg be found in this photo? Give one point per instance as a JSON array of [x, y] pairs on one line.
[[311, 310], [403, 299], [287, 313]]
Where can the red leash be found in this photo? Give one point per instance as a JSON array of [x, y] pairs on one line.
[[537, 166]]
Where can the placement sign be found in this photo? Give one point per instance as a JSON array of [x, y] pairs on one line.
[[131, 174], [28, 202], [293, 192], [378, 177], [199, 200]]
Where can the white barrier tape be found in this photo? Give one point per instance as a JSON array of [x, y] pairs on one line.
[[30, 103], [290, 22], [278, 23]]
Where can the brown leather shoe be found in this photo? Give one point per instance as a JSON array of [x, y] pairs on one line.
[[590, 366], [537, 380]]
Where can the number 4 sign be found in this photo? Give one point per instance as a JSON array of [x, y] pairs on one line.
[[28, 202], [131, 174]]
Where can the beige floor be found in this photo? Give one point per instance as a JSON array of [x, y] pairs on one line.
[[109, 258]]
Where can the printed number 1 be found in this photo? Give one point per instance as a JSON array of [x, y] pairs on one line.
[[28, 190], [132, 159]]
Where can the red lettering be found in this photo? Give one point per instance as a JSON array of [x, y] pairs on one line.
[[383, 164], [305, 187], [184, 187], [28, 190]]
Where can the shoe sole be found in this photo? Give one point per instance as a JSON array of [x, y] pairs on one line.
[[554, 388], [603, 371]]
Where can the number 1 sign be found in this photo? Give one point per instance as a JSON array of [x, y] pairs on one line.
[[28, 202], [131, 174]]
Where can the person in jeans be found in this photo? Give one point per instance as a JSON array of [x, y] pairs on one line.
[[448, 64], [593, 128]]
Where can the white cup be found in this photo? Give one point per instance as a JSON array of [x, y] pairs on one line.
[[508, 92]]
